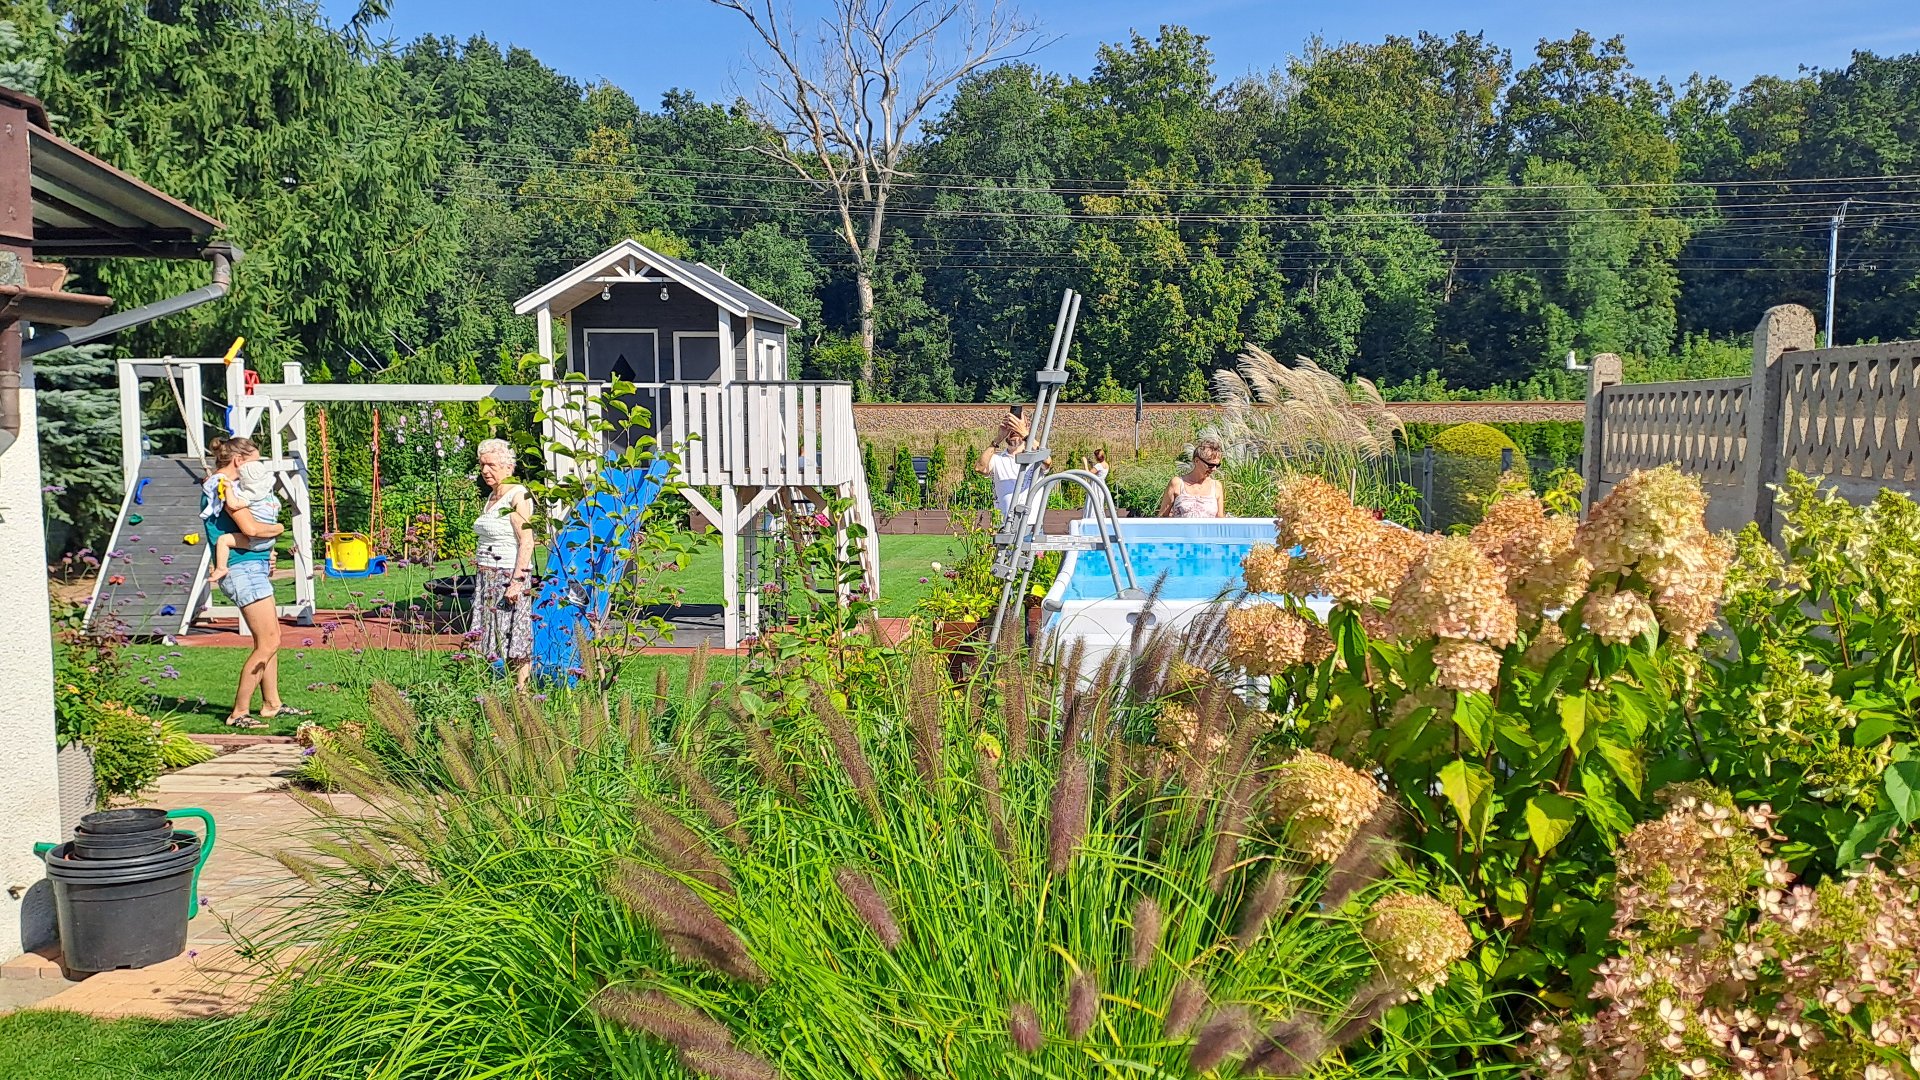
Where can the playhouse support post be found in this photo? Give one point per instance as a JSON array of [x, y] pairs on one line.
[[129, 423], [730, 563], [301, 497]]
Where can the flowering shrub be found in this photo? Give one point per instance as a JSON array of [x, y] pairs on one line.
[[1810, 704], [1728, 969], [1508, 684]]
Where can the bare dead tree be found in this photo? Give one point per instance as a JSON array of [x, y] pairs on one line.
[[846, 103]]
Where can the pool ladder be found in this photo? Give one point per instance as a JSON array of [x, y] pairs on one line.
[[1025, 538]]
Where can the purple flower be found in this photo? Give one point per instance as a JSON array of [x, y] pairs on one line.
[[923, 580], [191, 953]]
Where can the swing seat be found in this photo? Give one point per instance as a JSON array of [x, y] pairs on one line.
[[350, 555]]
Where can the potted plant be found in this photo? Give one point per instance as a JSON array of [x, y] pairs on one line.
[[1046, 569]]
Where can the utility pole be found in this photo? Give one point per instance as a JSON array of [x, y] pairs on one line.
[[1833, 267]]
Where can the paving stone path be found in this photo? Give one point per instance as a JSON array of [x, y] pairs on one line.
[[241, 888]]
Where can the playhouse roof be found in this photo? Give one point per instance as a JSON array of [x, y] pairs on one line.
[[631, 262]]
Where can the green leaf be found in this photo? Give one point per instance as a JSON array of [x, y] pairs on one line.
[[1603, 809], [1473, 715], [1550, 818], [1865, 837], [1625, 763], [1903, 790], [1468, 787], [1573, 718], [1874, 727], [1510, 898]]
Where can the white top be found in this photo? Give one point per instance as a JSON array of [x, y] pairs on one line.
[[1100, 470], [497, 541], [1006, 479]]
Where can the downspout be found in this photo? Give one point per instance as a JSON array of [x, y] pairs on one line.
[[222, 254]]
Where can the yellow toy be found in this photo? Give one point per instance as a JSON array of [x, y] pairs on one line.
[[190, 539]]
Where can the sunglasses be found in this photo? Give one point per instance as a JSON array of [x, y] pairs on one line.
[[1212, 463]]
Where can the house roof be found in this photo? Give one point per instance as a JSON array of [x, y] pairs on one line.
[[630, 261], [84, 207]]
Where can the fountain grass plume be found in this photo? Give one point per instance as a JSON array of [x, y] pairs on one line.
[[678, 1025], [1023, 1028], [689, 927], [925, 692], [1083, 1003], [1273, 892], [987, 773], [853, 759], [1016, 689], [766, 760], [865, 899], [1147, 920], [719, 812], [1067, 825], [1359, 865], [1231, 812], [1226, 1034], [1188, 1000], [680, 848], [1290, 1048], [728, 1063]]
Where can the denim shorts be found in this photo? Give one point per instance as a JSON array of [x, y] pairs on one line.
[[248, 581]]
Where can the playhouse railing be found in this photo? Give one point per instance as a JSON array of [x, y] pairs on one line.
[[763, 434]]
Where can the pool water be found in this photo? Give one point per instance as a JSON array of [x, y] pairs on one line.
[[1191, 559], [1199, 570]]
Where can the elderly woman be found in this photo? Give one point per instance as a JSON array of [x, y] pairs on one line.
[[1198, 493], [503, 556]]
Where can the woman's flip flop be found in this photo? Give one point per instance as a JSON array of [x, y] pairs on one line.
[[286, 710], [244, 722]]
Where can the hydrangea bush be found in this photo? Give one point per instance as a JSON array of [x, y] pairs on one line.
[[1727, 968], [1508, 685]]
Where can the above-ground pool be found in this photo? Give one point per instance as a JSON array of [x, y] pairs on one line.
[[1193, 563]]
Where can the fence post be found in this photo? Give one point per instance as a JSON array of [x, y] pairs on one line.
[[1784, 328], [1603, 371], [1426, 488]]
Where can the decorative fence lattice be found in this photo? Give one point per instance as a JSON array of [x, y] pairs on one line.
[[1848, 417], [1853, 416]]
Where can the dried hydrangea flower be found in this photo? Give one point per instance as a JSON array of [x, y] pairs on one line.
[[1466, 665], [1619, 617], [1347, 553], [1416, 938], [1180, 726], [1454, 592], [1534, 552], [1653, 525], [1320, 803], [1265, 569], [1266, 639]]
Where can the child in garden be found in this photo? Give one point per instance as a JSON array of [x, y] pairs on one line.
[[252, 492]]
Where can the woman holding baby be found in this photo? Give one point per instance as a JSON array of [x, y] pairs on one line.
[[241, 511]]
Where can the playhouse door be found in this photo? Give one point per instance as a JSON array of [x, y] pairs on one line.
[[632, 356]]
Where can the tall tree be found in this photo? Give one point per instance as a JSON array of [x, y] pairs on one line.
[[846, 106]]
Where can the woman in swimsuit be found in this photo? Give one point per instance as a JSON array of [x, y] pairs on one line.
[[1198, 494]]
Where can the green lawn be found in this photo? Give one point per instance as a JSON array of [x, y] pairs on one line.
[[196, 683], [37, 1045], [904, 560], [331, 682]]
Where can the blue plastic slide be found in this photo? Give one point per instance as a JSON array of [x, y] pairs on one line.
[[584, 563]]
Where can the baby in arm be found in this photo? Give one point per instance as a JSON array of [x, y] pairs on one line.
[[251, 494]]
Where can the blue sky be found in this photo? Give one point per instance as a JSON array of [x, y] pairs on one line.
[[649, 46]]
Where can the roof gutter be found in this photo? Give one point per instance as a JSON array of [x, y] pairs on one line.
[[222, 254]]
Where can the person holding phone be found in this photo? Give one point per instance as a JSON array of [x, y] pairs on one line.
[[1198, 493], [1000, 462]]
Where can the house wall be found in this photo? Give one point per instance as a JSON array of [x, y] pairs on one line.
[[29, 779], [639, 307]]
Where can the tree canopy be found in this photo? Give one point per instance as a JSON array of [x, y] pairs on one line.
[[1421, 210]]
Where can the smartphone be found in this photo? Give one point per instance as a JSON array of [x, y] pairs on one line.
[[1016, 410]]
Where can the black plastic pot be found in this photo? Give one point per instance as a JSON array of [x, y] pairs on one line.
[[90, 845], [138, 819], [127, 912]]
